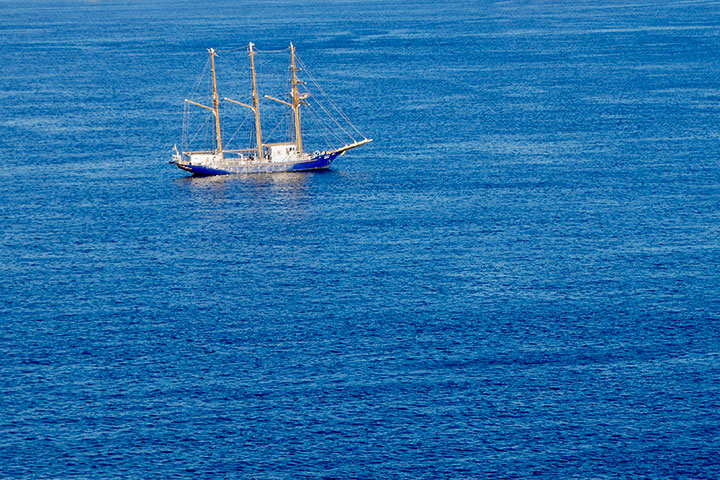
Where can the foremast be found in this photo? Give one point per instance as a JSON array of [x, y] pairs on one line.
[[216, 103], [297, 99]]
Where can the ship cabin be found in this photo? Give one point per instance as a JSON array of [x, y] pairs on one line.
[[282, 152]]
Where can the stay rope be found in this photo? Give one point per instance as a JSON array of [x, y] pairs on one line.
[[247, 115], [315, 120], [229, 50], [184, 144], [327, 97]]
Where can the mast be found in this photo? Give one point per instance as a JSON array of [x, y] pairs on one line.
[[216, 102], [295, 99], [256, 103]]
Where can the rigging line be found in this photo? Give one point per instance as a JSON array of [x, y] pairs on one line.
[[208, 133], [340, 112], [228, 50], [334, 105], [239, 85], [286, 49], [247, 115], [313, 121], [251, 136], [268, 137], [323, 125], [317, 122], [207, 118], [283, 122], [336, 108], [184, 128], [330, 131], [202, 74], [324, 128], [283, 125], [333, 119]]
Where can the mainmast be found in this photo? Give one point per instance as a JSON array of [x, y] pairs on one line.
[[255, 107], [256, 103]]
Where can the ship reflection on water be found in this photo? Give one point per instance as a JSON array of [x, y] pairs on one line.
[[263, 187]]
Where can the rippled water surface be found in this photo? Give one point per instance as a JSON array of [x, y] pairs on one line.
[[519, 276]]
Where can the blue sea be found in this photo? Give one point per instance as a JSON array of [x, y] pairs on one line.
[[519, 277]]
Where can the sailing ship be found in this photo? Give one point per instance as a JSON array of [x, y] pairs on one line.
[[261, 157]]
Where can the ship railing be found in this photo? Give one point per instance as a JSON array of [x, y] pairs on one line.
[[214, 152]]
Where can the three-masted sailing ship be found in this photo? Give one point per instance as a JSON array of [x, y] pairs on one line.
[[262, 157]]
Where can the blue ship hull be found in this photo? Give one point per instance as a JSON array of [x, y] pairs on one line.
[[316, 163]]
